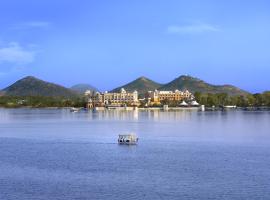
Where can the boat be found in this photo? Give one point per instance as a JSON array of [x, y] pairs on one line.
[[74, 109], [128, 139]]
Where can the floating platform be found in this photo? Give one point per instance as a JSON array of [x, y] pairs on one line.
[[74, 109]]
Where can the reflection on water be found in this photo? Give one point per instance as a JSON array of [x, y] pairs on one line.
[[36, 114], [55, 154], [232, 126]]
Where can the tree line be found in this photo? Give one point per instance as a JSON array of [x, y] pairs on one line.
[[41, 101], [209, 99], [221, 99]]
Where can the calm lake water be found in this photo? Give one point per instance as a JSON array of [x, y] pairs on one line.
[[48, 154]]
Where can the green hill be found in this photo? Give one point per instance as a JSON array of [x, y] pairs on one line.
[[142, 85], [196, 85], [31, 86]]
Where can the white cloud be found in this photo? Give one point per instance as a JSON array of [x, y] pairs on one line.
[[38, 24], [192, 29], [32, 24], [14, 53]]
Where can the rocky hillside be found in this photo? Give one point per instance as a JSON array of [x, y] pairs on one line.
[[197, 85]]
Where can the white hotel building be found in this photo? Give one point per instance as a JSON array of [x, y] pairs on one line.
[[123, 98]]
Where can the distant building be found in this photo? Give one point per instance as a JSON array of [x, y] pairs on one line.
[[122, 98], [156, 97], [87, 93]]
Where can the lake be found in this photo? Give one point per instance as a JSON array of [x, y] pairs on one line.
[[48, 154]]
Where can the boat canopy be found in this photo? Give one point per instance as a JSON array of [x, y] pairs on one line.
[[183, 103], [194, 103]]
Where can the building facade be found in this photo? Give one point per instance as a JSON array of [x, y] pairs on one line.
[[156, 97], [123, 98]]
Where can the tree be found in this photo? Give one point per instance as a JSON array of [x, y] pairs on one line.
[[266, 98], [198, 96], [222, 98], [212, 100], [258, 99], [241, 101], [250, 100]]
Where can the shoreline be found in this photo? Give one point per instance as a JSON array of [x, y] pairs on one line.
[[260, 108]]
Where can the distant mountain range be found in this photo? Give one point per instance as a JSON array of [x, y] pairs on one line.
[[31, 86], [192, 84], [81, 88]]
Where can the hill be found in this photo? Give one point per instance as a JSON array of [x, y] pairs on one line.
[[31, 86], [2, 93], [81, 88], [196, 85], [142, 85]]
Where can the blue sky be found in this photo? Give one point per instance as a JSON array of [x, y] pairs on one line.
[[107, 43]]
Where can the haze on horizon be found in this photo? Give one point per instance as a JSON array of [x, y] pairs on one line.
[[109, 43]]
